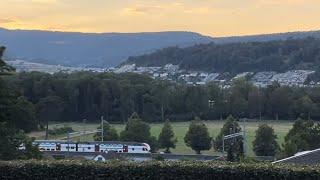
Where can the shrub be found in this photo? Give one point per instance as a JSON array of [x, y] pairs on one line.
[[153, 170], [59, 131]]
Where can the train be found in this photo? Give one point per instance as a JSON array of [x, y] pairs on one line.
[[104, 146]]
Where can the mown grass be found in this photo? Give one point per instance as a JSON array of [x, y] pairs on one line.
[[180, 128]]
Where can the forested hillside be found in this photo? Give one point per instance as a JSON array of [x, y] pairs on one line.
[[239, 57], [92, 49], [85, 95]]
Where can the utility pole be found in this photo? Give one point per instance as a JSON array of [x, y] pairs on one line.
[[102, 129], [244, 138], [47, 129], [68, 137], [84, 127]]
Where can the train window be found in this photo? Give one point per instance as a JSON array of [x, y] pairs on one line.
[[52, 149], [89, 147], [72, 147], [132, 149], [120, 151]]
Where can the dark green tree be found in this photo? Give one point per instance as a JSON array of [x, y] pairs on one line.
[[138, 131], [304, 135], [4, 68], [109, 133], [49, 108], [304, 106], [280, 102], [231, 126], [23, 115], [198, 137], [166, 137], [11, 140], [265, 143]]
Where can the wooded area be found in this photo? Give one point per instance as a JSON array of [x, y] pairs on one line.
[[85, 95], [239, 57]]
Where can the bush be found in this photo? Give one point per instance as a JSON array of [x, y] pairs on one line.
[[153, 170], [59, 131]]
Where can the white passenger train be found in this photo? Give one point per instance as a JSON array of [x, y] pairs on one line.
[[106, 146]]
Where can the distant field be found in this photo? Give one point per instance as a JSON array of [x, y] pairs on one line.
[[180, 128]]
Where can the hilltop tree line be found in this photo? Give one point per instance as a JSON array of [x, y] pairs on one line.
[[239, 57], [86, 95]]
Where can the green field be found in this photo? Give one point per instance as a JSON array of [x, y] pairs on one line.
[[180, 128]]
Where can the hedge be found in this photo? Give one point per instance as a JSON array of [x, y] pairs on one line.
[[153, 170]]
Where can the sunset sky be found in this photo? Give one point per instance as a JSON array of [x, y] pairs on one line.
[[209, 17]]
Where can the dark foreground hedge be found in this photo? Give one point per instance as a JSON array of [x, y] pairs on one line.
[[153, 170]]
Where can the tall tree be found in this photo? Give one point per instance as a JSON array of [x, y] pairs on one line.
[[138, 131], [166, 137], [4, 68], [198, 137], [11, 139], [49, 109], [280, 102], [231, 126], [304, 106], [265, 143], [304, 135]]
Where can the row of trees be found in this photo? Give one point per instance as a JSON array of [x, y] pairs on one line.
[[303, 136], [86, 95]]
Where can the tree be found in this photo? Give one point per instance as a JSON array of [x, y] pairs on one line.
[[265, 143], [280, 101], [109, 133], [138, 131], [49, 108], [198, 137], [231, 126], [304, 135], [11, 139], [166, 137], [304, 107], [4, 68], [23, 115]]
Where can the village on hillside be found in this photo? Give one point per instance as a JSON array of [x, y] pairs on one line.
[[170, 72]]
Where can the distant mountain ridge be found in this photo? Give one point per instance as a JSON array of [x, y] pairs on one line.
[[110, 49], [267, 37], [92, 49]]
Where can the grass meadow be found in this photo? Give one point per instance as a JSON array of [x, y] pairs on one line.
[[180, 128]]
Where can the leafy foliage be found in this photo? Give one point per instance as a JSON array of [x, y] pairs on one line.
[[303, 136], [10, 140], [265, 143], [198, 137], [233, 146], [166, 137], [73, 97], [239, 57], [154, 170], [60, 131], [138, 131]]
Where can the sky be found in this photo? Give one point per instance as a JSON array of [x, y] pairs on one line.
[[209, 17]]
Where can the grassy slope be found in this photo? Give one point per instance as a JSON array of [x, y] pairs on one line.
[[180, 128]]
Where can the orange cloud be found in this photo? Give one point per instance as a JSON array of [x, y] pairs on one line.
[[5, 21], [141, 9]]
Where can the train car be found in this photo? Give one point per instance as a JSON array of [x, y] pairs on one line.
[[106, 146]]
